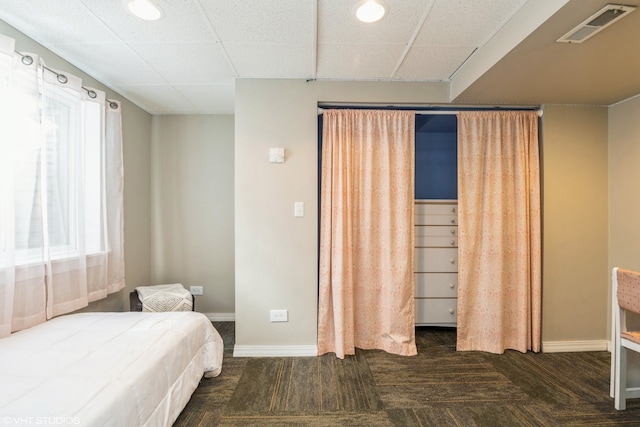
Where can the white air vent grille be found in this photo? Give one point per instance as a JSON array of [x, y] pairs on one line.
[[596, 23]]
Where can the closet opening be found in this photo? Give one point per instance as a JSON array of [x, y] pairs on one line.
[[366, 152]]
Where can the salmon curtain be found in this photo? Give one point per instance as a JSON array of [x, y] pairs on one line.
[[499, 294], [366, 232]]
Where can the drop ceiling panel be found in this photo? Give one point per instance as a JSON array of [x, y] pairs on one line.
[[262, 22], [157, 99], [351, 61], [465, 23], [271, 60], [110, 63], [210, 99], [337, 22], [432, 63], [191, 63], [41, 20], [182, 21]]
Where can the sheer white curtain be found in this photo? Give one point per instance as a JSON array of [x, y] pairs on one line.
[[61, 188]]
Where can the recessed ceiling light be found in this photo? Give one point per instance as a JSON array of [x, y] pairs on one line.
[[370, 11], [144, 9]]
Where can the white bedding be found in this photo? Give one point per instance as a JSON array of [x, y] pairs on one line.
[[106, 369]]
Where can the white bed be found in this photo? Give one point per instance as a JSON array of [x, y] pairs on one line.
[[106, 369]]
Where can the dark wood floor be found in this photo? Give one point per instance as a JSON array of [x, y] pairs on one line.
[[438, 387]]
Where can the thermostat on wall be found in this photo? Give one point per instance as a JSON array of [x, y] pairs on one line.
[[276, 155]]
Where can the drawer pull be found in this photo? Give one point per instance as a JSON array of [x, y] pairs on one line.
[[451, 311], [453, 221], [453, 242], [451, 285], [452, 261], [453, 231], [453, 210]]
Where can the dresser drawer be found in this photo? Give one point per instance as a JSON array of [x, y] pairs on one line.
[[436, 260], [433, 219], [436, 208], [436, 285], [436, 235], [437, 311], [436, 214]]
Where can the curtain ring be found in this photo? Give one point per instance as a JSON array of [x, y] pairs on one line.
[[27, 60], [62, 78], [113, 105], [92, 94]]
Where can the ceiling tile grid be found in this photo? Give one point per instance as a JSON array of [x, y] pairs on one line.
[[182, 21], [210, 99], [465, 23], [41, 20], [197, 49], [271, 60], [432, 63], [261, 22], [158, 99], [265, 39], [191, 63], [337, 23], [357, 62], [112, 63], [352, 50]]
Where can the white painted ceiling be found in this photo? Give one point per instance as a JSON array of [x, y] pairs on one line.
[[187, 62]]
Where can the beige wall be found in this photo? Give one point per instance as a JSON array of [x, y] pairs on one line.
[[136, 132], [575, 242], [276, 253], [624, 196], [192, 220], [624, 185]]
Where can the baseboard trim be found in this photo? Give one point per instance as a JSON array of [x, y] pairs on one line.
[[275, 350], [221, 317], [573, 346], [633, 392]]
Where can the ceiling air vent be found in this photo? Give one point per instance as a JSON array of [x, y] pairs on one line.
[[596, 23]]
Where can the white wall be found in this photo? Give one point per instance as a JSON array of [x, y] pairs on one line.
[[192, 219]]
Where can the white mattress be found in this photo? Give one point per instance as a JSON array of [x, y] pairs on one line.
[[106, 369]]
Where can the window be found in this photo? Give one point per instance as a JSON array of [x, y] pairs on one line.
[[58, 176], [61, 192]]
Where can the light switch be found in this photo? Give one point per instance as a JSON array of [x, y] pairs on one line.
[[298, 209]]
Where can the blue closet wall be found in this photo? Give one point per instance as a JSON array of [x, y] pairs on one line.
[[436, 158]]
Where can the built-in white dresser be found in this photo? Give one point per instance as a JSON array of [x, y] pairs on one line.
[[436, 262]]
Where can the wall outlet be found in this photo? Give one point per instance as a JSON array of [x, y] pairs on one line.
[[279, 315], [197, 290]]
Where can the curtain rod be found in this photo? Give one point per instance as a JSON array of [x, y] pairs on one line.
[[28, 60], [440, 112]]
